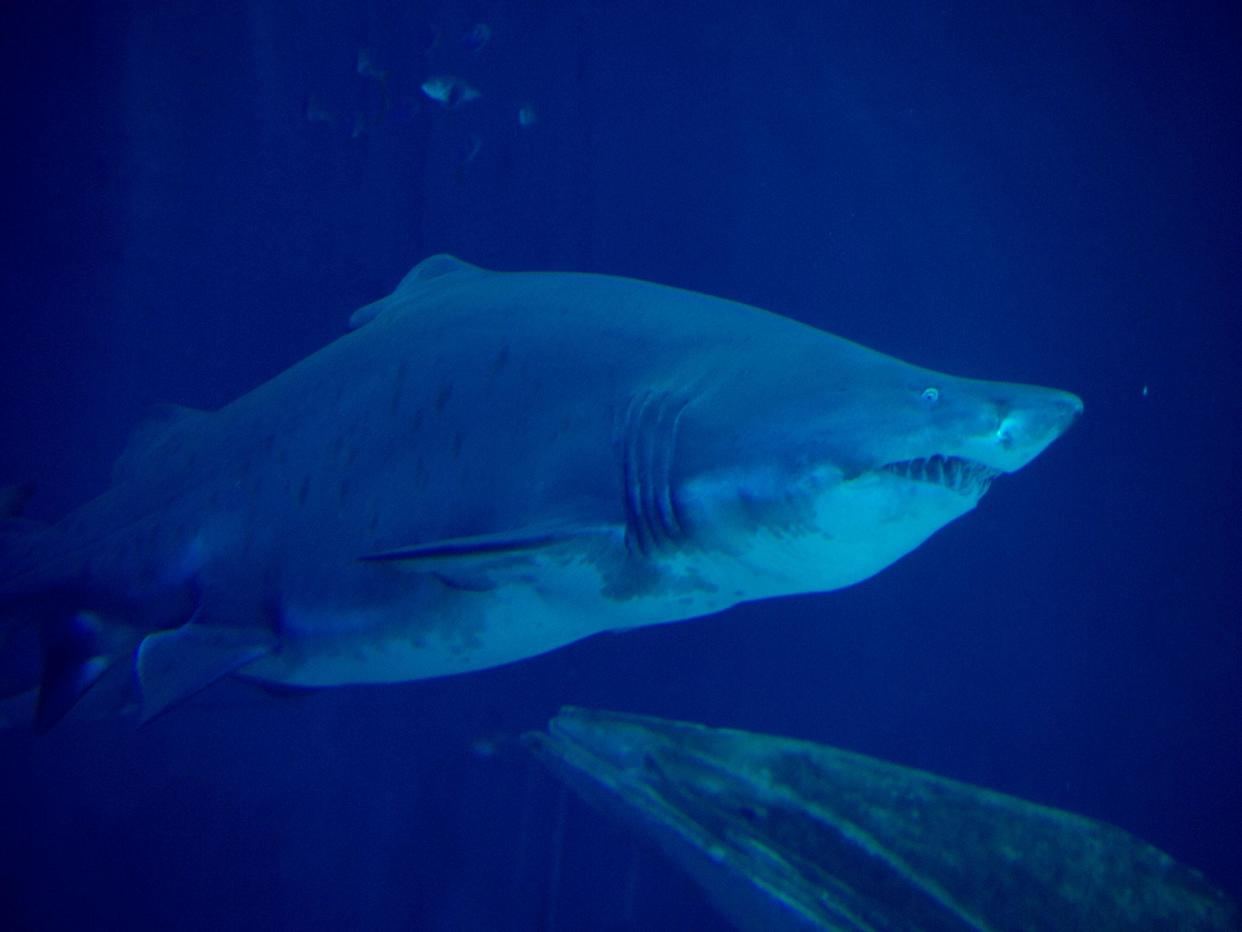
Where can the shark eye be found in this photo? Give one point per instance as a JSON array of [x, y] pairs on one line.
[[931, 394]]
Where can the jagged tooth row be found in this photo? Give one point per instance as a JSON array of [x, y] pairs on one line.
[[951, 471]]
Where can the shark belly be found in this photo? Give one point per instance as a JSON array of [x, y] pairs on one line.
[[439, 628]]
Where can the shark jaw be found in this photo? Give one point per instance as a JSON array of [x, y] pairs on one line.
[[958, 474]]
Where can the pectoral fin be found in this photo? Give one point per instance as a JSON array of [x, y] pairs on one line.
[[173, 665], [489, 548]]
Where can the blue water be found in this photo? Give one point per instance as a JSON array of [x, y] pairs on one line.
[[1049, 196]]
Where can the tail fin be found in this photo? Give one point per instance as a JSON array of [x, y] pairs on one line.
[[55, 654], [48, 647], [59, 636]]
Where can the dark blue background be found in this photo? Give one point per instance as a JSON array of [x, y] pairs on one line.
[[1049, 196]]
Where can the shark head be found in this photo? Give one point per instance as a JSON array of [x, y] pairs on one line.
[[821, 469]]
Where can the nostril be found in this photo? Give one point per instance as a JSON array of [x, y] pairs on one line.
[[1004, 433]]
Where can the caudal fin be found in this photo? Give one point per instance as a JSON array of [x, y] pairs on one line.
[[49, 647]]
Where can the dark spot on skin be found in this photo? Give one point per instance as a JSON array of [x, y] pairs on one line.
[[374, 522], [457, 442], [269, 441], [443, 396], [343, 491], [502, 359], [303, 491], [416, 421]]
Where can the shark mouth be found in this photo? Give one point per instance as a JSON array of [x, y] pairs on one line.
[[969, 477]]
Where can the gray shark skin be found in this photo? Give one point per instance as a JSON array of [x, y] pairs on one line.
[[492, 465], [789, 835]]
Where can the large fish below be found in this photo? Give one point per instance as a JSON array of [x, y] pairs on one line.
[[492, 465], [787, 835]]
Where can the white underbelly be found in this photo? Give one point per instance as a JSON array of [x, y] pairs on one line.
[[470, 631]]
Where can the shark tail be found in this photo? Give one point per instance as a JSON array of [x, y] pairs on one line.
[[52, 650], [60, 640]]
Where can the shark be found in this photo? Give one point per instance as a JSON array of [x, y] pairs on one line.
[[787, 834], [488, 466]]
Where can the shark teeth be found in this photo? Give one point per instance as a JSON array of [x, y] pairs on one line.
[[953, 472]]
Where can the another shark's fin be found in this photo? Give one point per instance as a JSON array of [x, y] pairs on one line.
[[435, 266], [487, 548], [175, 664], [156, 427], [77, 652]]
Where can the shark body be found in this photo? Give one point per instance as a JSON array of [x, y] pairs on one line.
[[492, 465], [791, 836]]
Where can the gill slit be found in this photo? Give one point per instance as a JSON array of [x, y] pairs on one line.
[[653, 519]]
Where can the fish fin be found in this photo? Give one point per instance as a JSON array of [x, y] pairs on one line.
[[173, 665], [159, 424], [482, 548], [432, 267], [77, 652], [436, 266]]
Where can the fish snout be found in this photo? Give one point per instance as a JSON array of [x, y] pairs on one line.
[[1027, 424]]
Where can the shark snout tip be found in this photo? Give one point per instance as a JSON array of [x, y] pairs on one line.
[[1071, 409]]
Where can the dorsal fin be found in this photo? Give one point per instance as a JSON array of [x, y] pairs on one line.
[[158, 424], [432, 267]]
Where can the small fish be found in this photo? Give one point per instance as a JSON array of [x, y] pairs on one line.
[[477, 37], [449, 92], [526, 116], [316, 112], [366, 67]]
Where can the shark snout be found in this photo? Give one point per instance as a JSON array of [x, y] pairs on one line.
[[1029, 422]]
